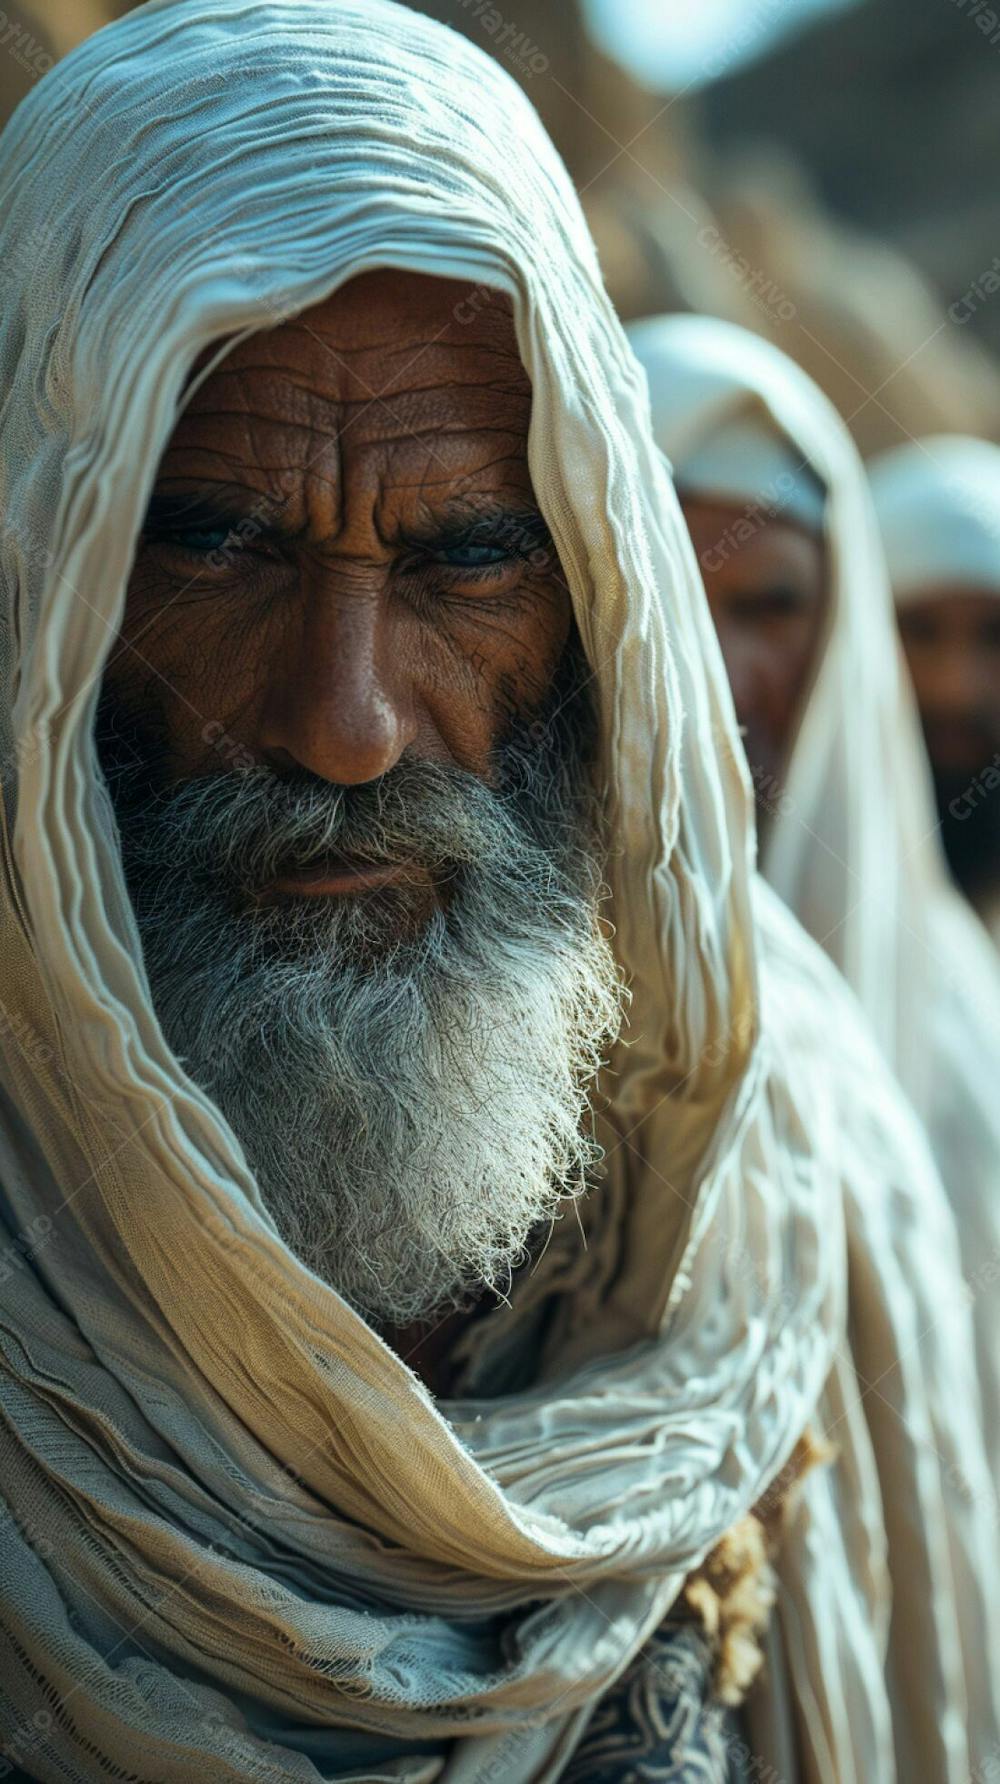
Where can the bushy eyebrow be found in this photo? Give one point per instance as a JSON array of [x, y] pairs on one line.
[[213, 505], [476, 517]]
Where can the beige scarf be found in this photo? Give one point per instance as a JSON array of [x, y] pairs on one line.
[[242, 1539]]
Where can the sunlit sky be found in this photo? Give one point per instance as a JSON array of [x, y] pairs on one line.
[[668, 44]]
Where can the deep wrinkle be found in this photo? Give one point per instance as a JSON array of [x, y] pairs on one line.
[[335, 576]]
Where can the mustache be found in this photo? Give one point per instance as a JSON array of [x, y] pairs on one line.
[[242, 827], [236, 831], [255, 826]]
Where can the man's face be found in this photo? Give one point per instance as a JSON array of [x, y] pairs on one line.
[[952, 642], [343, 559], [766, 586], [348, 743]]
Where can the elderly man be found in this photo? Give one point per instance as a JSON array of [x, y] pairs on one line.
[[401, 872], [938, 505], [401, 1366]]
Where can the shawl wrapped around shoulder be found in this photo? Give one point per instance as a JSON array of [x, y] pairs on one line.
[[241, 1539], [853, 847]]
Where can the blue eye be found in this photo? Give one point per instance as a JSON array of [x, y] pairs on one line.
[[474, 557], [202, 539]]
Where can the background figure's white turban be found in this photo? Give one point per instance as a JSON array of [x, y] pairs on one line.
[[242, 1539], [938, 507]]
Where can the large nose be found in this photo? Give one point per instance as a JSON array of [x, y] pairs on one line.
[[339, 701]]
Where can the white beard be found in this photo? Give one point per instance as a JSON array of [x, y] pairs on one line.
[[411, 1098]]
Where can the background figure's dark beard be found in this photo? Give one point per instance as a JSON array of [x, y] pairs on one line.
[[406, 1073], [972, 841]]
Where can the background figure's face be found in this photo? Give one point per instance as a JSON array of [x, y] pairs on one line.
[[343, 558], [769, 601], [952, 642], [348, 740]]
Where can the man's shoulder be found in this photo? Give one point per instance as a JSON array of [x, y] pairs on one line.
[[823, 1050], [798, 982]]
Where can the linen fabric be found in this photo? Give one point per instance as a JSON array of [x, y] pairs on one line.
[[938, 507], [752, 465], [242, 1539], [852, 846]]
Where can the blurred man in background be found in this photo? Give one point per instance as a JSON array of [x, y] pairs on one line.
[[775, 497], [938, 504]]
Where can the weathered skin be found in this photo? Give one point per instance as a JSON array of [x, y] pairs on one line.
[[361, 450], [769, 600], [951, 637], [328, 618]]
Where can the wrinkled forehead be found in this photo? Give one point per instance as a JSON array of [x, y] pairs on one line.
[[386, 331], [398, 379]]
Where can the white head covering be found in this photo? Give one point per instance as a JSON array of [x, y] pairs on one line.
[[938, 507], [853, 845], [748, 462], [244, 1541]]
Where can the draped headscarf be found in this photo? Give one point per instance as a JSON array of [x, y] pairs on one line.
[[242, 1540], [853, 845], [938, 506]]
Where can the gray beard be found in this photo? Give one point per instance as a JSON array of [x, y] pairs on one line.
[[408, 1081]]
